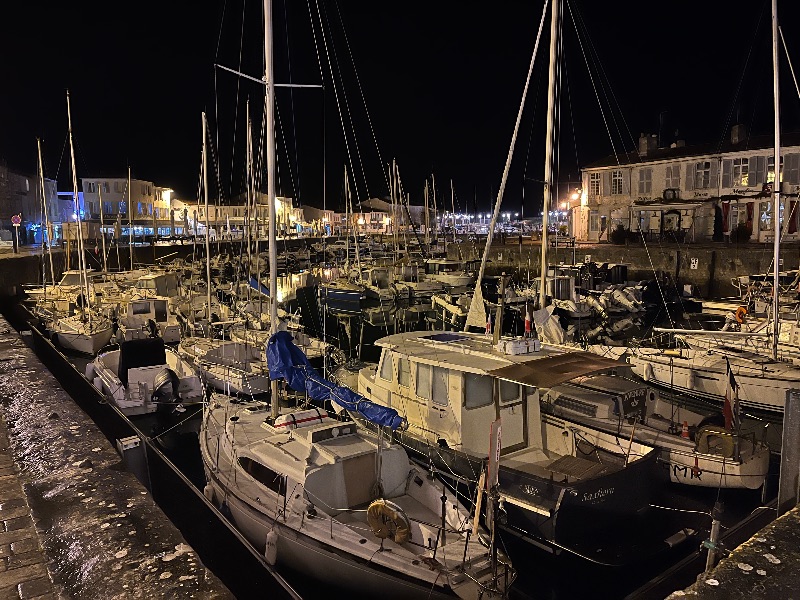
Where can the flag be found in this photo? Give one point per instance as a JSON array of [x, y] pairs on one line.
[[527, 322], [731, 408], [489, 323]]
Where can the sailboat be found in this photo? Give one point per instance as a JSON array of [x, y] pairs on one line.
[[316, 495], [86, 331]]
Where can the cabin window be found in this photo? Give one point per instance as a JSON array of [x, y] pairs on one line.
[[160, 307], [440, 385], [140, 308], [477, 390], [509, 391], [387, 367], [404, 372], [264, 475], [423, 381]]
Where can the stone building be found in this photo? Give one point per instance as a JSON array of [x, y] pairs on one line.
[[691, 193]]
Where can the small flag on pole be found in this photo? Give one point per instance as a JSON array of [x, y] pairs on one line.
[[731, 408], [489, 324], [527, 322]]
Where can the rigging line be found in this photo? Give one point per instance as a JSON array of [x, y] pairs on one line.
[[789, 60], [339, 101], [295, 184], [286, 149], [236, 104], [363, 99], [740, 84], [658, 283], [594, 84]]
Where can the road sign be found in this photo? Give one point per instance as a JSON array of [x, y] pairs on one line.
[[16, 220]]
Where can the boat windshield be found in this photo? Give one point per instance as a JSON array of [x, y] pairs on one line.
[[71, 279]]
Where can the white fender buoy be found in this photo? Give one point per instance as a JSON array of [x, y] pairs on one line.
[[90, 371], [271, 549], [208, 492]]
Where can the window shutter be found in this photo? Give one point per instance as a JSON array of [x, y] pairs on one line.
[[606, 190], [758, 167], [792, 168], [689, 177], [712, 180], [726, 173], [626, 182]]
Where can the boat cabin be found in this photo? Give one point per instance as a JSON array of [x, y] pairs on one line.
[[158, 284], [149, 317]]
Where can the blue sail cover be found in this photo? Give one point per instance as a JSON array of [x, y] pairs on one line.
[[286, 361], [259, 287]]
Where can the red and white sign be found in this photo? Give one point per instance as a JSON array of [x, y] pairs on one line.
[[16, 220]]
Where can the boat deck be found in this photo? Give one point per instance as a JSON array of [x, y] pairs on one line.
[[566, 468]]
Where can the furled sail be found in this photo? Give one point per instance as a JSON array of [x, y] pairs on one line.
[[288, 362]]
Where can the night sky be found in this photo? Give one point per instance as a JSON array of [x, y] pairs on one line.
[[434, 85]]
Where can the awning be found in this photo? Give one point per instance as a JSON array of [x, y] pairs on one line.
[[553, 370], [668, 206]]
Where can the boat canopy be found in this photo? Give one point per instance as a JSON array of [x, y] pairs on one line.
[[554, 370], [287, 361]]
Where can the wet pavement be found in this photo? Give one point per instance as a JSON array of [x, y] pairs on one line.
[[75, 524], [766, 567]]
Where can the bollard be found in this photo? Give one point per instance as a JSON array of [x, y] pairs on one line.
[[713, 541]]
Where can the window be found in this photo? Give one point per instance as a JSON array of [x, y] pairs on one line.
[[594, 184], [616, 182], [423, 381], [139, 208], [91, 187], [477, 390], [118, 187], [105, 187], [673, 177], [123, 207], [264, 475], [387, 368], [771, 169], [440, 386], [107, 208], [149, 209], [739, 174], [404, 372], [594, 220], [702, 175], [766, 216], [509, 391], [645, 181]]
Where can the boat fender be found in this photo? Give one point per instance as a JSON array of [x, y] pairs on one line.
[[303, 418], [388, 521], [271, 548], [208, 492], [741, 313], [715, 440], [90, 372]]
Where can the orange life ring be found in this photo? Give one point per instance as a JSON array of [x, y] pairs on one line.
[[387, 520], [741, 313]]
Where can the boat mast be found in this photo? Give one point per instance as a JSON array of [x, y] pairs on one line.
[[46, 218], [776, 186], [130, 218], [476, 317], [208, 249], [102, 228], [548, 148], [269, 141], [81, 257]]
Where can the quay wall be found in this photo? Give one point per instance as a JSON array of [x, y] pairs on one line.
[[715, 265]]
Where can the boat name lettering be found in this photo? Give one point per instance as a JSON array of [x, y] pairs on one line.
[[598, 494], [686, 471]]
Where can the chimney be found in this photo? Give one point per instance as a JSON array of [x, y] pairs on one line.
[[738, 133], [647, 143]]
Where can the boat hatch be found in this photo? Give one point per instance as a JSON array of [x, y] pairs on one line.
[[445, 337], [328, 433], [553, 370]]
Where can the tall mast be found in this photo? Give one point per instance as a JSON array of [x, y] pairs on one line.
[[208, 248], [46, 217], [776, 185], [548, 148], [81, 257], [269, 141], [250, 204], [130, 218], [102, 227]]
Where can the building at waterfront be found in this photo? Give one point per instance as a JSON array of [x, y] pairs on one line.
[[689, 193]]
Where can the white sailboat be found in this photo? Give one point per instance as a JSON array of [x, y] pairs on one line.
[[318, 496]]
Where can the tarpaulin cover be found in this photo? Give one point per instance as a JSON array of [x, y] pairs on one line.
[[288, 362], [259, 287]]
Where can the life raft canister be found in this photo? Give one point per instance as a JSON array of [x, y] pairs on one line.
[[303, 418], [715, 440], [388, 521]]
